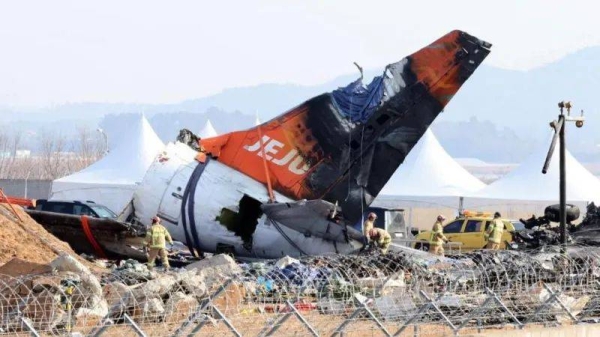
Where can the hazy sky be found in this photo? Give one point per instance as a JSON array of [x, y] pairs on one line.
[[54, 52]]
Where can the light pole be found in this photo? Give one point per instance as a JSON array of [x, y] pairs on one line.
[[559, 132], [105, 140], [26, 179]]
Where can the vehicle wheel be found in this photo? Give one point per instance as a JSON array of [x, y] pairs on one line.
[[422, 246], [552, 213]]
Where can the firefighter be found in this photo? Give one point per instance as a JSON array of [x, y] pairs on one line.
[[494, 232], [156, 238], [381, 238], [368, 225], [437, 236]]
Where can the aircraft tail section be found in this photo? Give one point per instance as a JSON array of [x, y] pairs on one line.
[[345, 145]]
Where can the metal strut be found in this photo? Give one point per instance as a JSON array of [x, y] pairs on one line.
[[264, 160]]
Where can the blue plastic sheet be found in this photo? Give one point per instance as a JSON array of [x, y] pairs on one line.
[[357, 102], [268, 285]]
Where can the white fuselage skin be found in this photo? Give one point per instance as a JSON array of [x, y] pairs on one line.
[[219, 187]]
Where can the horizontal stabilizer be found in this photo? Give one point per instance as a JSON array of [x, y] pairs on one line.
[[310, 217]]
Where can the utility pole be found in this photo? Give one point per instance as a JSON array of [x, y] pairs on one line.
[[105, 137], [559, 132], [26, 180]]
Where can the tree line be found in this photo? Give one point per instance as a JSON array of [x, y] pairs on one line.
[[55, 154]]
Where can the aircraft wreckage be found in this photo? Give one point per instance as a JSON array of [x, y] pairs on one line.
[[269, 191]]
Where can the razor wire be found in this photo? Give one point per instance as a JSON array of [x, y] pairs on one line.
[[395, 294]]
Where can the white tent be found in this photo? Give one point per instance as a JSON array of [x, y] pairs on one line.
[[526, 182], [428, 170], [112, 180], [208, 131]]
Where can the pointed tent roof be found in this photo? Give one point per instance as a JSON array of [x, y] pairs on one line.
[[114, 176], [428, 170], [257, 121], [127, 163], [208, 130], [526, 182]]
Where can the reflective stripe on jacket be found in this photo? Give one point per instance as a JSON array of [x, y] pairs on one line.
[[383, 237], [495, 231], [367, 226], [437, 234]]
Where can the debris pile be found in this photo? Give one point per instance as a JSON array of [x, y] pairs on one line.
[[130, 272], [588, 231], [54, 300], [393, 282], [65, 294], [539, 231], [495, 287], [537, 237]]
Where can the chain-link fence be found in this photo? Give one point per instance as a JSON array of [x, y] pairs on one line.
[[396, 294]]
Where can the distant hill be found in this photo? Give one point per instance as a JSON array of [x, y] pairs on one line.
[[526, 101], [483, 140], [498, 115]]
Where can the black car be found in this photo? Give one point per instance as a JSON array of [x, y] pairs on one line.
[[88, 208]]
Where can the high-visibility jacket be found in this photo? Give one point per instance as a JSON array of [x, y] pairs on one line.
[[437, 234], [157, 236], [367, 226], [383, 237], [495, 231]]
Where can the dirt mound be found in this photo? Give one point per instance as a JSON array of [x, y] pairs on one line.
[[28, 240], [17, 267]]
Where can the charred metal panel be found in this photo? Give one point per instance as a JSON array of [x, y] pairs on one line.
[[112, 235], [311, 219], [365, 155]]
